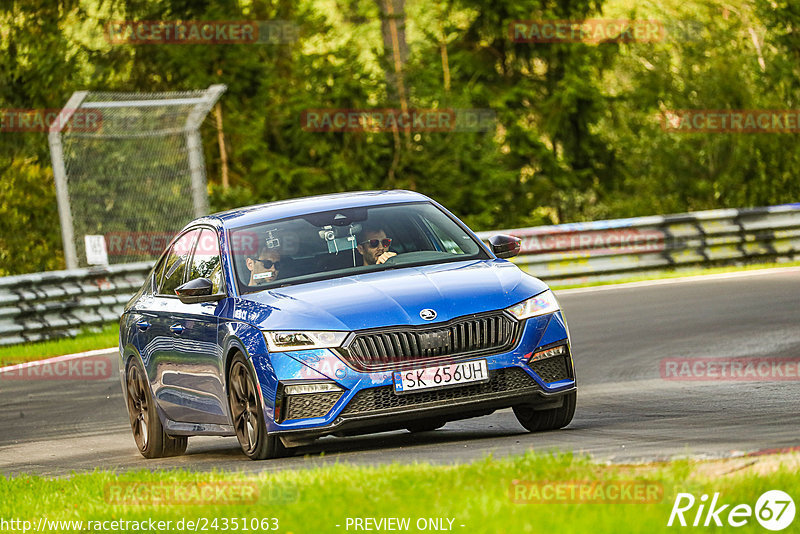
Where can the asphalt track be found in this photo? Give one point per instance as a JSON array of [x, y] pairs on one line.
[[626, 410]]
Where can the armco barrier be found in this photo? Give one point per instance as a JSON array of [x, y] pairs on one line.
[[59, 303], [55, 304], [621, 248]]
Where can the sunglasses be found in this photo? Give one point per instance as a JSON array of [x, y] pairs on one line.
[[373, 243], [268, 264]]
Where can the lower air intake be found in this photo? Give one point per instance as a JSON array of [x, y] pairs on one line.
[[553, 369], [310, 404]]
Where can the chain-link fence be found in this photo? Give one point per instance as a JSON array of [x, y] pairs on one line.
[[129, 172]]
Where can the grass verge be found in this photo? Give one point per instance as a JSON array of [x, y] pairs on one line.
[[477, 497], [89, 339]]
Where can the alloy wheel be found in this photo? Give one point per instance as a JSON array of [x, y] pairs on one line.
[[137, 407], [244, 407]]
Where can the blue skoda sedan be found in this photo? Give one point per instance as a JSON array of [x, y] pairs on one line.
[[339, 314]]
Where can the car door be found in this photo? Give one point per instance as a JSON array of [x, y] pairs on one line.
[[160, 349], [197, 378]]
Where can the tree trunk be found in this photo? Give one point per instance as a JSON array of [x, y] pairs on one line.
[[393, 29]]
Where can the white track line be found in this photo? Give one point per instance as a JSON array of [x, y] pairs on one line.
[[56, 359], [682, 280]]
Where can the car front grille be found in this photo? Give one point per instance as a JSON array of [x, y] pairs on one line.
[[310, 404], [553, 369], [383, 398], [460, 338]]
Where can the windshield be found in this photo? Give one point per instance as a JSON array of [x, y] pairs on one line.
[[345, 242]]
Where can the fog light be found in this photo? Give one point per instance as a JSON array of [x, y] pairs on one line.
[[302, 389], [549, 353]]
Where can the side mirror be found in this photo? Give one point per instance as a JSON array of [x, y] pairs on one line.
[[197, 290], [505, 246]]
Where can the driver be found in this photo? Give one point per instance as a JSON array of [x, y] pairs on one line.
[[264, 266], [373, 245]]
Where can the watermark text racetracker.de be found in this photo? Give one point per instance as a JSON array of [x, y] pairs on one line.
[[389, 119], [585, 491], [202, 493], [731, 369], [90, 367], [174, 493], [43, 120], [540, 240], [586, 31], [601, 31], [731, 121], [139, 32], [154, 243]]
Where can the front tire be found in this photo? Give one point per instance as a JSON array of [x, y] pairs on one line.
[[550, 419], [247, 414], [148, 433]]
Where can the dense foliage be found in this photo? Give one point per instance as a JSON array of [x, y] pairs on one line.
[[578, 132]]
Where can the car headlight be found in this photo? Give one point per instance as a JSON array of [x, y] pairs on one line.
[[541, 304], [285, 341]]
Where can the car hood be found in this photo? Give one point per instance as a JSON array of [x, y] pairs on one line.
[[391, 297]]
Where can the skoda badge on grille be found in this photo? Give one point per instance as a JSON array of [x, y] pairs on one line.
[[428, 314]]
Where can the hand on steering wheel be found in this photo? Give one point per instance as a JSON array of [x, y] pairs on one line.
[[385, 257]]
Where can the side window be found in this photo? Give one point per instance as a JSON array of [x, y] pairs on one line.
[[206, 260], [175, 264], [157, 272]]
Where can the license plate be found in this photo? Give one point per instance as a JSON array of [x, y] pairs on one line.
[[471, 372]]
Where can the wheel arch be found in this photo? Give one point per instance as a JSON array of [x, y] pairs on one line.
[[236, 346]]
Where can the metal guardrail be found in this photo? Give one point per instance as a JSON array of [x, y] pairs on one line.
[[55, 304], [59, 303], [622, 248]]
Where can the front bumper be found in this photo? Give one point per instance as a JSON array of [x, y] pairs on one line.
[[368, 402], [445, 408]]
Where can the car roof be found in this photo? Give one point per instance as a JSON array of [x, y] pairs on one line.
[[248, 215]]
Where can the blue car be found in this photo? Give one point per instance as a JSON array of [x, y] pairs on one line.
[[340, 314]]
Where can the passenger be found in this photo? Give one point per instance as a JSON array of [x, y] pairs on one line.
[[263, 267], [373, 245]]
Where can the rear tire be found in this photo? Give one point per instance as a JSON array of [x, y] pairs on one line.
[[148, 433], [247, 414], [551, 419]]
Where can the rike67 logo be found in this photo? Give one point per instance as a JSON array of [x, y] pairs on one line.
[[774, 510]]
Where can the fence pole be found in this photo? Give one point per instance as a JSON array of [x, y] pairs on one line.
[[60, 176]]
